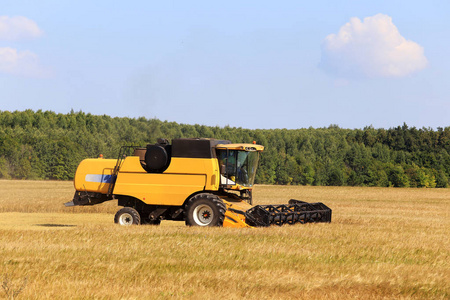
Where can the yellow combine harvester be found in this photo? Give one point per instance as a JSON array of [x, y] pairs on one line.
[[204, 182]]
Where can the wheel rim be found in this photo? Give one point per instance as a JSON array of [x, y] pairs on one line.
[[126, 219], [203, 215]]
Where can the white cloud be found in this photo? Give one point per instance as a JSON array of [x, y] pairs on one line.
[[24, 63], [12, 61], [18, 28], [371, 48]]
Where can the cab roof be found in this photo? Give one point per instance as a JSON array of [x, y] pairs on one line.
[[244, 147]]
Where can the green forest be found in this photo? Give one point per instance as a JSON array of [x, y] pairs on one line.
[[48, 145]]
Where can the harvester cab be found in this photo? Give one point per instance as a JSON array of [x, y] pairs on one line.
[[238, 164], [204, 182]]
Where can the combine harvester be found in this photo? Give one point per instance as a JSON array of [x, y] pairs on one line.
[[204, 182]]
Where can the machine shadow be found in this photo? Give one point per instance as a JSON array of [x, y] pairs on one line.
[[55, 225]]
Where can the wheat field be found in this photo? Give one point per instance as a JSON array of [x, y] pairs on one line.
[[382, 243]]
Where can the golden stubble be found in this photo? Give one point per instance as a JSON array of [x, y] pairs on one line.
[[382, 243]]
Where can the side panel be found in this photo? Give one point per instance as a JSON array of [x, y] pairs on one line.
[[182, 178], [162, 189], [94, 175], [207, 166], [132, 164]]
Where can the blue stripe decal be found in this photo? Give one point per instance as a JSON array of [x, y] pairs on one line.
[[99, 178]]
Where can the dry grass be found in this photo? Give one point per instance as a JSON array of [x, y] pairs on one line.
[[382, 243], [44, 196]]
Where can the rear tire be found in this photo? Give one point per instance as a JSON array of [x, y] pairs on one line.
[[127, 216], [204, 210]]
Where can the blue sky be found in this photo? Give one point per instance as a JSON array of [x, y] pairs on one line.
[[250, 64]]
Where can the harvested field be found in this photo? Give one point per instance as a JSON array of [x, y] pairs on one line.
[[382, 243]]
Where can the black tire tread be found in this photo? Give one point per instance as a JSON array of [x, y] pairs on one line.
[[215, 200], [131, 211]]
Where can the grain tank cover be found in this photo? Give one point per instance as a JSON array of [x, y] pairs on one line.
[[196, 148]]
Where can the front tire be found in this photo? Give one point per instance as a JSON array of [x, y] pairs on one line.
[[127, 216], [205, 210]]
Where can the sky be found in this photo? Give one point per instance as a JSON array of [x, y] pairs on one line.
[[250, 64]]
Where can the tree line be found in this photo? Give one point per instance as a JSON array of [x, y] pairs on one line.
[[47, 145]]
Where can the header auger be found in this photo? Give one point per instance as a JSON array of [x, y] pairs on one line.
[[204, 182]]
